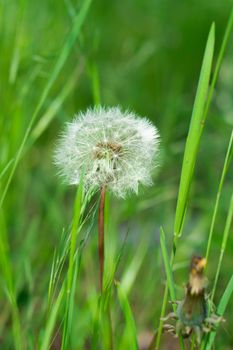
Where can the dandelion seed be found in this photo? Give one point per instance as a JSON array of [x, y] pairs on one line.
[[117, 150]]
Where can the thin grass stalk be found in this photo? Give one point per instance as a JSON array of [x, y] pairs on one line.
[[170, 280], [223, 246], [220, 311], [224, 172], [162, 314], [224, 240], [69, 42], [72, 249]]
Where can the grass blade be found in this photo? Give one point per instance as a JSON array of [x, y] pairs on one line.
[[70, 276], [194, 134], [223, 246], [219, 61], [130, 323], [169, 274], [78, 21], [167, 265], [131, 272], [51, 322], [220, 310], [54, 107], [6, 268], [224, 172]]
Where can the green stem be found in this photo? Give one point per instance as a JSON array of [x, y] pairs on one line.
[[165, 297], [101, 236], [223, 246], [224, 171], [163, 311], [70, 276]]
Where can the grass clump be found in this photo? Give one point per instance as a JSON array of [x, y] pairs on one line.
[[62, 59]]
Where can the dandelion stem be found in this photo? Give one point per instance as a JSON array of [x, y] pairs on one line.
[[101, 236]]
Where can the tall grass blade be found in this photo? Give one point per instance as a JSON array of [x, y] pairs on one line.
[[194, 134], [56, 104], [72, 249], [223, 246], [78, 21], [224, 172]]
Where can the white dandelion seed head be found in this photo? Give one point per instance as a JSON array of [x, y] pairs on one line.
[[113, 148]]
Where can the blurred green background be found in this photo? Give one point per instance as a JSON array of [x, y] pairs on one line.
[[143, 55]]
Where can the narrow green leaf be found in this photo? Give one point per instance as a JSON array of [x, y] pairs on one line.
[[224, 172], [132, 270], [130, 322], [78, 21], [167, 266], [51, 322], [71, 270], [6, 272], [223, 245], [221, 309], [169, 274], [194, 134], [54, 107]]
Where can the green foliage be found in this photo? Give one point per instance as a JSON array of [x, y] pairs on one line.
[[59, 58]]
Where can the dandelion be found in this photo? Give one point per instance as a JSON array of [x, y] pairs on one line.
[[115, 150]]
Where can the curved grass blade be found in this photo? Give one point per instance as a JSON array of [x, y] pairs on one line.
[[224, 172], [56, 104], [78, 21], [223, 246], [220, 310]]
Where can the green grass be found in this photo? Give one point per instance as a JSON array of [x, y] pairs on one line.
[[57, 59], [190, 155]]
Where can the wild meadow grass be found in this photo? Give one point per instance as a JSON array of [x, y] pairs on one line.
[[58, 59]]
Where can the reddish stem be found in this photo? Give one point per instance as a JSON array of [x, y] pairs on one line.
[[101, 236]]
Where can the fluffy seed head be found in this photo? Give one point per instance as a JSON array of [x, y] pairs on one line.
[[113, 148]]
